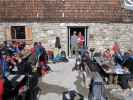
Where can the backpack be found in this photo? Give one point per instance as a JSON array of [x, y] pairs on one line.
[[72, 95]]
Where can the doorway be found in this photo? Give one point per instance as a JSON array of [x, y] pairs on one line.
[[83, 30]]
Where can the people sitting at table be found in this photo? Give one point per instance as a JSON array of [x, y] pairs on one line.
[[15, 49], [118, 58], [18, 46], [4, 50], [10, 58], [24, 67], [127, 65], [129, 62], [4, 64], [21, 45], [11, 62], [125, 56], [107, 54]]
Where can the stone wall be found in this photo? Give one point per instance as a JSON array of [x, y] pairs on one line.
[[106, 34], [100, 35], [47, 34], [2, 31]]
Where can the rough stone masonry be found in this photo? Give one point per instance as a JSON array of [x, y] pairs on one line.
[[100, 35]]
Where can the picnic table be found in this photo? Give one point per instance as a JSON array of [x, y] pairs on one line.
[[111, 69]]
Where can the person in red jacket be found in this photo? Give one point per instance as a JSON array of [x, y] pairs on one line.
[[1, 85], [80, 40], [115, 48], [107, 54]]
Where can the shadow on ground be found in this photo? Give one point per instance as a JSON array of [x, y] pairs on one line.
[[51, 88], [82, 90]]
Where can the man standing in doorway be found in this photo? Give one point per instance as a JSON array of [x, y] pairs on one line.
[[74, 44]]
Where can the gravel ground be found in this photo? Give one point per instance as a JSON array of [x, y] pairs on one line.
[[60, 80]]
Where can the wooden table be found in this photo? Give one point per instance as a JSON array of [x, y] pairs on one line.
[[110, 69]]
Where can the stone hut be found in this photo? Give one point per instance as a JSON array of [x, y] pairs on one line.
[[101, 21]]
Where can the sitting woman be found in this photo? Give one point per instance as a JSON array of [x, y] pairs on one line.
[[107, 54], [60, 57], [118, 58]]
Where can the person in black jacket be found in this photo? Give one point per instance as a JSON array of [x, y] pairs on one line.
[[127, 65], [24, 67], [118, 58], [57, 43]]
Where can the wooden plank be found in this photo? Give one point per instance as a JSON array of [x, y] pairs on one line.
[[29, 36]]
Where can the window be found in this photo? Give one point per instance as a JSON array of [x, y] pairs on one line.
[[18, 32], [128, 4]]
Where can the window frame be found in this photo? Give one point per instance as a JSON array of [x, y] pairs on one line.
[[15, 34]]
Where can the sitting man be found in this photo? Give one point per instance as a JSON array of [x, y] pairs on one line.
[[60, 57], [128, 65], [118, 58]]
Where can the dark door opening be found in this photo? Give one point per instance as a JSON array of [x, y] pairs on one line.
[[71, 30], [18, 32]]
